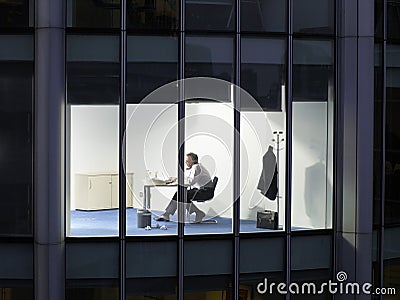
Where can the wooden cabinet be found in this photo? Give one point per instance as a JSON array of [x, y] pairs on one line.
[[100, 191]]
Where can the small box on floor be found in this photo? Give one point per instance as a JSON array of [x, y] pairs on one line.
[[267, 219], [143, 218]]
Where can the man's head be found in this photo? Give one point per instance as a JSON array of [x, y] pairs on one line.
[[191, 159]]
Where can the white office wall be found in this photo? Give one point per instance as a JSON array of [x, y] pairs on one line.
[[311, 187], [152, 144], [94, 141]]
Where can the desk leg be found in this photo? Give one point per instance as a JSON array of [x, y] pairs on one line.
[[146, 201]]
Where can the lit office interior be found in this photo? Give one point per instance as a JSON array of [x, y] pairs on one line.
[[151, 136]]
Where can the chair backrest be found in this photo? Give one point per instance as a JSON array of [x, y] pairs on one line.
[[215, 181]]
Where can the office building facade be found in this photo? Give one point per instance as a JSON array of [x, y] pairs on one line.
[[101, 97]]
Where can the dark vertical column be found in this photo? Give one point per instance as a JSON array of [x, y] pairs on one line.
[[288, 185], [355, 134], [122, 157], [236, 158], [49, 150], [181, 153]]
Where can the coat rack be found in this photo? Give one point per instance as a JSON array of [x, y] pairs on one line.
[[278, 139]]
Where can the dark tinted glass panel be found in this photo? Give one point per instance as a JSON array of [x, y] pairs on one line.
[[260, 286], [263, 70], [16, 293], [93, 70], [391, 263], [16, 13], [208, 287], [378, 92], [378, 18], [93, 13], [210, 15], [152, 14], [313, 16], [16, 84], [308, 281], [392, 164], [312, 70], [263, 15], [209, 57], [98, 291], [393, 19], [162, 288], [148, 67]]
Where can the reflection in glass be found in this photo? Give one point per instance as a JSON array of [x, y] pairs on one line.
[[209, 57], [149, 68], [313, 116], [103, 13], [210, 15], [151, 140], [208, 287], [392, 164], [263, 15], [92, 135], [153, 14], [15, 13], [16, 122], [263, 76], [313, 16]]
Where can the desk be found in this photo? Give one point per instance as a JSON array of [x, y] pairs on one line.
[[147, 194]]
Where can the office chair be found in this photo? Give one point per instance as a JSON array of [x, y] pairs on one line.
[[214, 185]]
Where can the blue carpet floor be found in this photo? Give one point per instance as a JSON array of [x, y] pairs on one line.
[[105, 223]]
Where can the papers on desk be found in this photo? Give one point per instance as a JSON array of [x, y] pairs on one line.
[[157, 181]]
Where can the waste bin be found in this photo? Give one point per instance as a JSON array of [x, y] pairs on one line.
[[143, 218]]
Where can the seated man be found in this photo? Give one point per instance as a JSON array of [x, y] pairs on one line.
[[199, 184]]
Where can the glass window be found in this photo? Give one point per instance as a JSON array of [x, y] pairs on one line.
[[218, 15], [16, 13], [153, 14], [151, 140], [209, 134], [255, 286], [392, 164], [16, 134], [313, 16], [313, 119], [160, 288], [378, 18], [103, 13], [263, 72], [84, 291], [92, 135], [16, 293], [148, 68], [393, 20], [263, 15], [209, 57], [262, 132], [378, 107]]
